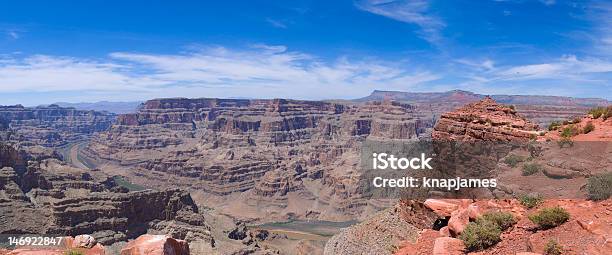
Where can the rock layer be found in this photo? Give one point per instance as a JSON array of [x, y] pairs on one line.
[[49, 197], [268, 149]]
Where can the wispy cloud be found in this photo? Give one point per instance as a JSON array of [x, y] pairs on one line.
[[276, 23], [600, 14], [567, 75], [261, 71], [548, 2], [567, 67], [414, 12], [13, 34]]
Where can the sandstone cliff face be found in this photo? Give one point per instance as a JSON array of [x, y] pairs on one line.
[[49, 197], [268, 149]]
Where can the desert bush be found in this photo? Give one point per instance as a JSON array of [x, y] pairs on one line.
[[565, 141], [554, 125], [535, 150], [550, 217], [570, 131], [588, 127], [73, 252], [480, 235], [576, 120], [608, 113], [503, 220], [531, 168], [553, 248], [597, 112], [531, 201], [513, 160], [599, 186]]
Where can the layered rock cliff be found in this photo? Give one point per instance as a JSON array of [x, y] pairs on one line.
[[268, 149], [49, 126], [50, 197]]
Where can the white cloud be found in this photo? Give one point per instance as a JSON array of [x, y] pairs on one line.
[[414, 12], [276, 23], [262, 71], [567, 67]]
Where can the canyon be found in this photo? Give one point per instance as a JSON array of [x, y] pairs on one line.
[[201, 169]]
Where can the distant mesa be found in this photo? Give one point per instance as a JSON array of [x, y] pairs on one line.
[[112, 107], [462, 96]]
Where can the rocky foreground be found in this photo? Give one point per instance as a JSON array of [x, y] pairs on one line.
[[580, 227]]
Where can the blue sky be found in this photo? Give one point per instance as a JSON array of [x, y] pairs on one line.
[[79, 51]]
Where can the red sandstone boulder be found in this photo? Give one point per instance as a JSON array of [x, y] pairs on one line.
[[445, 231], [448, 246], [156, 245], [458, 220], [441, 207]]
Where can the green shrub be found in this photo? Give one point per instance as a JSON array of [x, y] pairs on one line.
[[599, 186], [531, 201], [74, 252], [554, 125], [608, 113], [576, 120], [531, 168], [570, 131], [605, 112], [553, 248], [588, 127], [503, 220], [597, 112], [513, 160], [480, 235], [565, 141], [550, 217]]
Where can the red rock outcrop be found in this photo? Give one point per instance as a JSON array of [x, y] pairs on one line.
[[484, 120], [156, 245]]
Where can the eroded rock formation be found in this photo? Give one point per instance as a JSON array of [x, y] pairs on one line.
[[50, 197], [268, 149]]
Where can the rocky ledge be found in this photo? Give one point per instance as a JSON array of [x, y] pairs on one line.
[[50, 197]]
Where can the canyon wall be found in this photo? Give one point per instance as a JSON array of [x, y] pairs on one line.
[[49, 197], [270, 150], [50, 126]]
